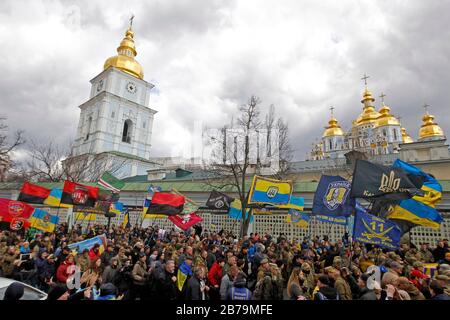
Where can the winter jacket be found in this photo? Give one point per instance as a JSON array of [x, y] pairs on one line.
[[442, 296], [326, 293], [215, 274], [193, 291], [225, 285], [343, 288], [239, 292], [62, 272], [165, 288], [106, 258], [140, 273], [8, 264], [110, 274], [439, 253], [367, 294]]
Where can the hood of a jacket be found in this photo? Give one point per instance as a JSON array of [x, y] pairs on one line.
[[329, 292]]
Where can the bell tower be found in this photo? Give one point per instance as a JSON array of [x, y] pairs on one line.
[[116, 122]]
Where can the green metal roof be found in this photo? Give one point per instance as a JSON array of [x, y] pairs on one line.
[[184, 186]]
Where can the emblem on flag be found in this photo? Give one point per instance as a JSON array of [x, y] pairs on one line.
[[336, 194], [16, 208], [80, 195], [272, 192]]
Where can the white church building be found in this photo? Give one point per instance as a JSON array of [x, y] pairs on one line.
[[115, 124]]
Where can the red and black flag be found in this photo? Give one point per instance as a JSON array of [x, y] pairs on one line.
[[166, 203], [79, 194], [32, 193], [16, 213]]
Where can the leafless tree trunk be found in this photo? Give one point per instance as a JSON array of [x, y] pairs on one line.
[[7, 147], [50, 162], [235, 159]]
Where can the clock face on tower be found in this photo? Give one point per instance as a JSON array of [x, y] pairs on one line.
[[131, 87]]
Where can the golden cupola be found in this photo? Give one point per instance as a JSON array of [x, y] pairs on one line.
[[369, 114], [124, 60], [386, 118], [333, 128], [405, 136], [429, 128]]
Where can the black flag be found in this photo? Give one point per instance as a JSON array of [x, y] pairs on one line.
[[373, 181], [219, 201]]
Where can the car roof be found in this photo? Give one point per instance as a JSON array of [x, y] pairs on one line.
[[4, 282]]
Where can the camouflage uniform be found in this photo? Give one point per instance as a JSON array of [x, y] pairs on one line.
[[309, 280], [426, 256]]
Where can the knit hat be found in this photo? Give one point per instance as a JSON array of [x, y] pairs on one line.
[[263, 261]]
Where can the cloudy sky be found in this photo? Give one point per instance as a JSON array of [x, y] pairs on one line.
[[206, 57]]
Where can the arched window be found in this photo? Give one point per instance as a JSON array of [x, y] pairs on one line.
[[395, 134], [89, 124], [331, 144], [126, 133]]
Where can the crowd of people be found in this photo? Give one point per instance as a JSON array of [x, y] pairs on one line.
[[142, 263]]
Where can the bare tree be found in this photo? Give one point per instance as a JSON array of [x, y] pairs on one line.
[[45, 161], [7, 147], [51, 162], [239, 154]]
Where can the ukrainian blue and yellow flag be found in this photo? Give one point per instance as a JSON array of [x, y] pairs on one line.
[[235, 211], [296, 203], [431, 187], [298, 218], [54, 199], [417, 213], [116, 207], [270, 191], [126, 220], [419, 210], [44, 221], [81, 216]]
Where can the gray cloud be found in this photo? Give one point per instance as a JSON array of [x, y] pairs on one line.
[[208, 57]]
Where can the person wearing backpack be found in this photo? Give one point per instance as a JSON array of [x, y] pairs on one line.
[[326, 291], [239, 290]]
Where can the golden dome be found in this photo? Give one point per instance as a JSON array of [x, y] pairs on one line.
[[386, 118], [333, 128], [369, 114], [429, 128], [405, 136], [125, 59]]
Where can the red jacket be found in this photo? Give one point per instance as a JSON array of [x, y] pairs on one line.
[[62, 273], [215, 274]]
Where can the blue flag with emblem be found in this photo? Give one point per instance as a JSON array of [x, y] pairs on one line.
[[332, 197], [298, 218], [374, 230]]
